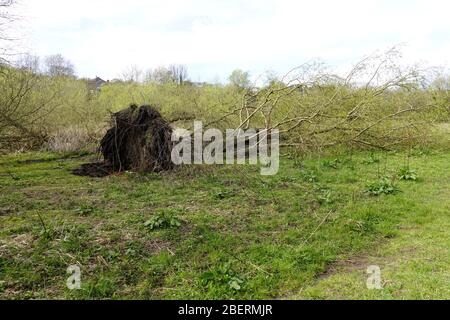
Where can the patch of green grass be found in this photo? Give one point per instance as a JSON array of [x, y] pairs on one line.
[[202, 231], [222, 278], [309, 175], [333, 163], [371, 159], [85, 210], [414, 264]]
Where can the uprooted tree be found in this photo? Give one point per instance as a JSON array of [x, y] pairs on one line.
[[139, 139], [377, 104]]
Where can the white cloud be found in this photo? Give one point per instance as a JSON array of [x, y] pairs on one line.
[[213, 37]]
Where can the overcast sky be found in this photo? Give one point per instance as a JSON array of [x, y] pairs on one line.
[[103, 37]]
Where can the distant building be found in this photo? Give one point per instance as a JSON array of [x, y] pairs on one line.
[[94, 85]]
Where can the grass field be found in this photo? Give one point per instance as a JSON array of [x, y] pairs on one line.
[[226, 232]]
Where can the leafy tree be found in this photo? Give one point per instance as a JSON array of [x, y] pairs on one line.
[[240, 78]]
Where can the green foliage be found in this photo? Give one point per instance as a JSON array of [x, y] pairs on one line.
[[325, 196], [240, 79], [102, 288], [49, 106], [406, 173], [309, 259], [364, 223], [382, 186], [163, 219], [222, 276], [420, 151]]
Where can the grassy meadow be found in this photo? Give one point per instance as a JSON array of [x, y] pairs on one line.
[[225, 232]]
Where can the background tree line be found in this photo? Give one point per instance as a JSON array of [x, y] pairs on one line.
[[379, 103]]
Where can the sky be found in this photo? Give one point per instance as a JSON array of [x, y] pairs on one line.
[[212, 38]]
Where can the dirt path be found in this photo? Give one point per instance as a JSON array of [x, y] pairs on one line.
[[414, 265]]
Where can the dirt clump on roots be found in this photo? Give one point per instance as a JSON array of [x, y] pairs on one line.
[[139, 140]]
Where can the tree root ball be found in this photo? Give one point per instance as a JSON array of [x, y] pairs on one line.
[[139, 140]]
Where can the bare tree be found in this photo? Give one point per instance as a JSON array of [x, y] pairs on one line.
[[58, 66], [30, 63], [7, 18], [132, 74], [372, 105], [160, 75], [441, 83], [175, 73], [179, 73]]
